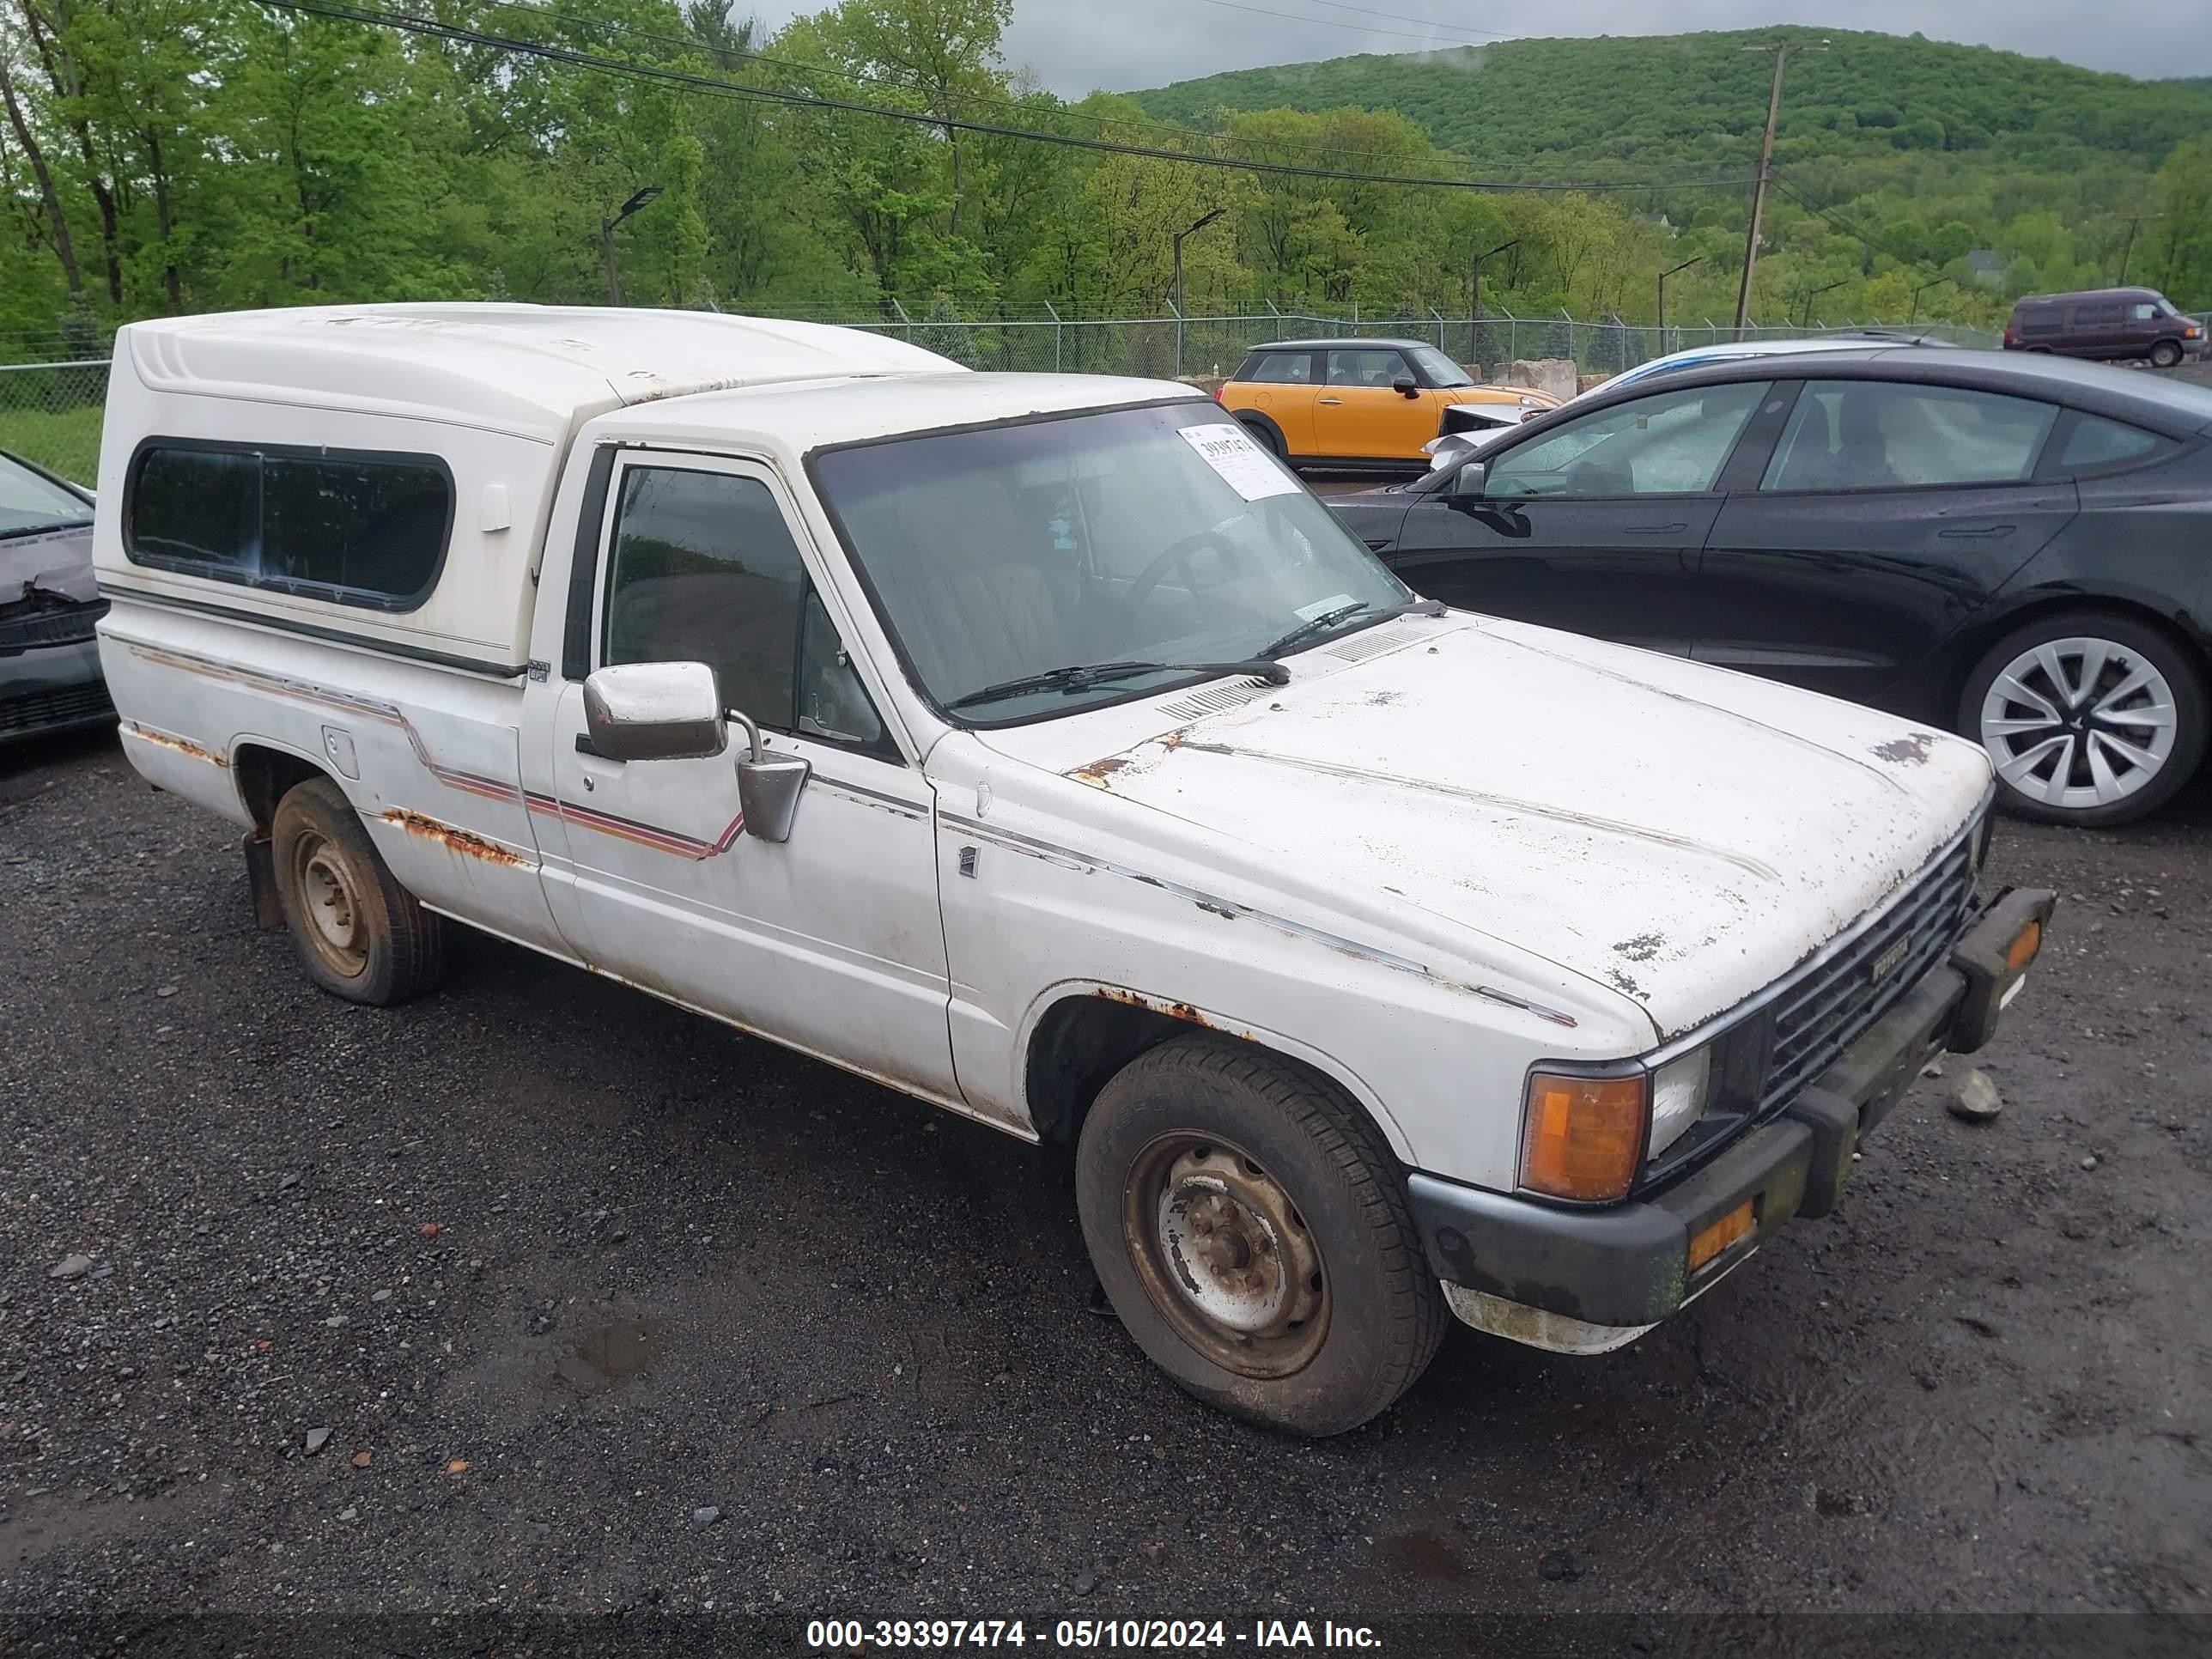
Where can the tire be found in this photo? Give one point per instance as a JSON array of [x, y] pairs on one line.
[[1327, 1311], [1268, 437], [2123, 752], [360, 934], [2166, 353]]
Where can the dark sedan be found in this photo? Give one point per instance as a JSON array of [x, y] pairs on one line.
[[49, 661], [2017, 548]]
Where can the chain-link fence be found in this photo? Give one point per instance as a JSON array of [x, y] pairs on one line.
[[50, 415], [50, 412]]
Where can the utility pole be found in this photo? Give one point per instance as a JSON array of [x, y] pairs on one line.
[[1663, 275], [2129, 247], [1781, 49], [1179, 235], [650, 192]]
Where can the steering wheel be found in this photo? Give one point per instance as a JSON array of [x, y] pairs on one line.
[[1175, 556]]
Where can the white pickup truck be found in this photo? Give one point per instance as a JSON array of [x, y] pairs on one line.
[[1036, 745]]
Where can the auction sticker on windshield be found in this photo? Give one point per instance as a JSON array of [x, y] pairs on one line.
[[1249, 469]]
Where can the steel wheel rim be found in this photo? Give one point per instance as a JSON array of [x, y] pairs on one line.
[[2080, 723], [1225, 1255], [330, 901]]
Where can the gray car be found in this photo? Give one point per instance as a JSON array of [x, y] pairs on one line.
[[49, 602]]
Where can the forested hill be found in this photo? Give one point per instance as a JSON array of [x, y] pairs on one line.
[[1702, 98]]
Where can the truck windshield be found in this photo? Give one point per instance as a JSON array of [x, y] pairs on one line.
[[1159, 535]]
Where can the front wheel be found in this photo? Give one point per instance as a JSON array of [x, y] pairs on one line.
[[1251, 1229], [2166, 353], [2090, 719]]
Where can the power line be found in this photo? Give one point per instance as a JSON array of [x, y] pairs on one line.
[[1331, 23], [1782, 182], [710, 84], [1103, 122], [1400, 18]]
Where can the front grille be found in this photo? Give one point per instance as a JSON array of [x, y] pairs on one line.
[[72, 626], [39, 711], [1763, 1058], [1814, 1021]]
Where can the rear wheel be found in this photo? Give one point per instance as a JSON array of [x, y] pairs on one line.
[[360, 934], [1265, 434], [1251, 1227], [2089, 719], [2166, 353]]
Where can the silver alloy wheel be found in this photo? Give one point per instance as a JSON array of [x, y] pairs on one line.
[[2079, 723]]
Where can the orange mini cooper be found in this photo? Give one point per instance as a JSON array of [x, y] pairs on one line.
[[1360, 405]]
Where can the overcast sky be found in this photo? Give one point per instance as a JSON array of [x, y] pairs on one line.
[[1075, 45]]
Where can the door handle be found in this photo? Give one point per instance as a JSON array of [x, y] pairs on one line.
[[1329, 403], [1978, 531], [586, 746], [1656, 529], [1377, 543]]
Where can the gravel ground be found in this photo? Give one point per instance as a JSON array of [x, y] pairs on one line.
[[540, 1302]]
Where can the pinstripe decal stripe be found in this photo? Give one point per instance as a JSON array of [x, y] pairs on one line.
[[658, 840]]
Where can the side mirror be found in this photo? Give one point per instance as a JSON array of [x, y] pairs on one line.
[[1404, 386], [768, 785], [1467, 484], [655, 711]]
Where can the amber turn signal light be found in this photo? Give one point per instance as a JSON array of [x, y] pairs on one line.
[[2025, 945], [1715, 1237], [1583, 1135]]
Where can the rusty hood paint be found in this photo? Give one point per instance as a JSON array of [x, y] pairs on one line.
[[1680, 835]]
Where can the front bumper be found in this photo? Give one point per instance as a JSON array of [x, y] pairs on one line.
[[1591, 1279], [52, 688]]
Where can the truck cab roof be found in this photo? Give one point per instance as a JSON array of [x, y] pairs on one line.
[[531, 370]]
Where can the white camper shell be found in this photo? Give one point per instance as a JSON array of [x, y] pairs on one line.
[[1040, 747]]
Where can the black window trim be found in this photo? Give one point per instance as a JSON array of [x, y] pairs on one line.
[[359, 599], [584, 578]]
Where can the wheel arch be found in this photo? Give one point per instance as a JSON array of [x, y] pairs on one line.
[[1265, 427], [264, 772], [1081, 1034], [1975, 640]]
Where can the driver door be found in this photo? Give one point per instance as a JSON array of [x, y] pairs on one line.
[[830, 941], [1359, 414], [1596, 527]]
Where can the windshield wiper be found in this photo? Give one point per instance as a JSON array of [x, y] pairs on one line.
[[1081, 677], [1328, 619], [45, 529]]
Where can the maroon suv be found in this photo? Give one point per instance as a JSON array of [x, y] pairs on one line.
[[2111, 323]]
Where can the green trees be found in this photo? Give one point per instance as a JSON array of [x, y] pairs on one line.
[[166, 156]]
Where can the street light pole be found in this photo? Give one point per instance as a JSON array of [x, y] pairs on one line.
[[1208, 219], [1474, 294], [639, 199], [1917, 292], [1663, 275], [1781, 49], [1813, 294]]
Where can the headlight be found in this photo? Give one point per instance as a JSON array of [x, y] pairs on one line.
[[1586, 1138], [1678, 1097]]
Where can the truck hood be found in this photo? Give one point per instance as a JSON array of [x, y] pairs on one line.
[[1681, 835]]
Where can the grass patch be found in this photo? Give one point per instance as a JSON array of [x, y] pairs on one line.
[[66, 442]]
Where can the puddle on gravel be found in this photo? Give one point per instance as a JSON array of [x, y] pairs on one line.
[[1421, 1553], [607, 1356]]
